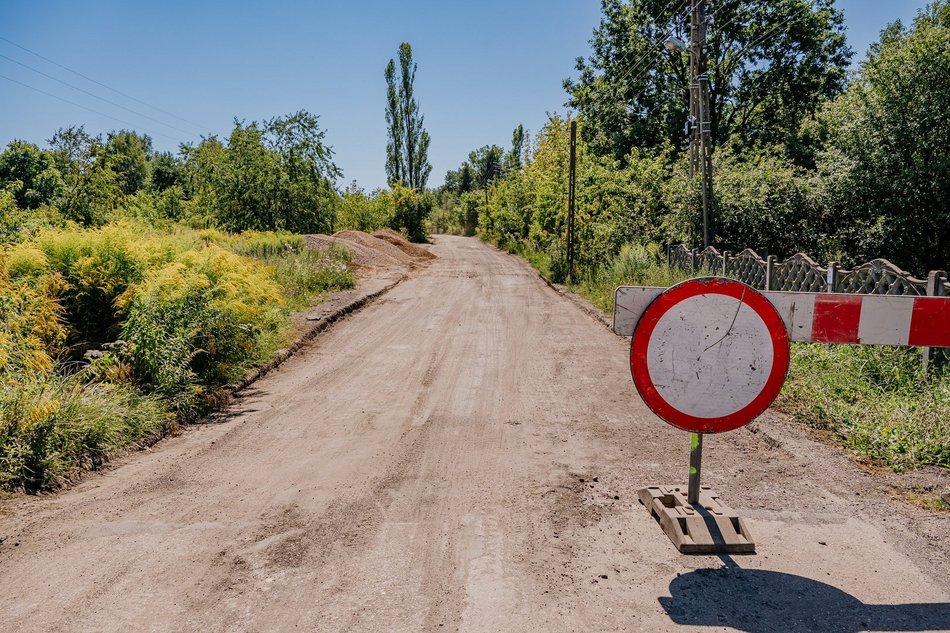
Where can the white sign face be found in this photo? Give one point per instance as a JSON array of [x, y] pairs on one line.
[[709, 355]]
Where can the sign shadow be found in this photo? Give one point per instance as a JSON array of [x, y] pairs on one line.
[[761, 601]]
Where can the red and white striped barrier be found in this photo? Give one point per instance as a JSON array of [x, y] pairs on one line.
[[828, 318]]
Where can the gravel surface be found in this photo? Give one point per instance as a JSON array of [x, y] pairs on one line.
[[397, 240], [376, 244], [464, 454], [362, 256]]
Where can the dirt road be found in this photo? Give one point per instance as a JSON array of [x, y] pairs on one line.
[[463, 454]]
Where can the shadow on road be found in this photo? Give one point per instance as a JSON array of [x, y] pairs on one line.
[[759, 601]]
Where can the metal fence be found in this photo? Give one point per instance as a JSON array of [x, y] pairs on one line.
[[800, 273]]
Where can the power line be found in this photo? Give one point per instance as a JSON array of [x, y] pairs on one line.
[[78, 105], [638, 65], [95, 96], [107, 87], [757, 40]]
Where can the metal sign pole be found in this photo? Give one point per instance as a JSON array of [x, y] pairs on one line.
[[695, 466]]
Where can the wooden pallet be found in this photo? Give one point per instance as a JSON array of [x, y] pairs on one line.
[[708, 527]]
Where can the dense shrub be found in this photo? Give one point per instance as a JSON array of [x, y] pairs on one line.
[[31, 333], [98, 266], [200, 321], [360, 212], [885, 174], [407, 210], [167, 316]]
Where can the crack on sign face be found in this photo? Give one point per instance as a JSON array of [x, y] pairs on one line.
[[728, 331]]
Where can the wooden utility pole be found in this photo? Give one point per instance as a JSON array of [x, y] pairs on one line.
[[571, 182], [700, 154]]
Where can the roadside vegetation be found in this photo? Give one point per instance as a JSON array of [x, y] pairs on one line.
[[112, 335], [136, 283], [808, 158], [122, 310]]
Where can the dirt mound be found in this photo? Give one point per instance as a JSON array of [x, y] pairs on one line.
[[403, 244], [362, 256], [382, 246]]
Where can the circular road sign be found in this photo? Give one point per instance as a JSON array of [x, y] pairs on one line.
[[709, 355]]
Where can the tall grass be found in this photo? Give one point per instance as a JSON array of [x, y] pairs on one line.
[[51, 427], [874, 400], [634, 265]]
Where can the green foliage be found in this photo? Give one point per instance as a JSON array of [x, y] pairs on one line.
[[98, 267], [514, 159], [166, 171], [886, 178], [616, 203], [487, 165], [446, 218], [31, 333], [200, 321], [461, 180], [361, 212], [762, 200], [126, 154], [407, 209], [30, 174], [274, 176], [18, 224], [764, 81], [875, 400], [90, 191]]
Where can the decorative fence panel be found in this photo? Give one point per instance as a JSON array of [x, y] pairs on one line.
[[800, 273]]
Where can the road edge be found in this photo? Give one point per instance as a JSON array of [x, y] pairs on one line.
[[318, 325]]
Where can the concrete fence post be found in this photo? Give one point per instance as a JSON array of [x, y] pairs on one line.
[[769, 272], [725, 263], [832, 276]]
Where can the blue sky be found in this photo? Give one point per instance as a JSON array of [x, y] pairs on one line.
[[483, 67]]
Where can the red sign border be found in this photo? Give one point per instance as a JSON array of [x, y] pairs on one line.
[[691, 288]]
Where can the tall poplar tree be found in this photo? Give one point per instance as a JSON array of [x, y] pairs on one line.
[[407, 148]]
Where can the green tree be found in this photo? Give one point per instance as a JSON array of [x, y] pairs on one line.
[[885, 166], [126, 153], [361, 212], [30, 174], [513, 160], [461, 180], [166, 171], [90, 191], [407, 148], [395, 156], [279, 175], [408, 210], [771, 65], [487, 165]]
